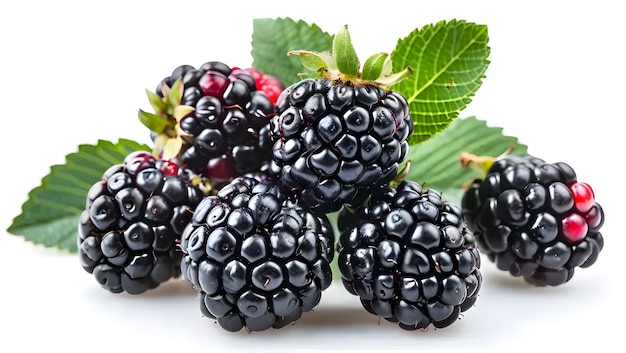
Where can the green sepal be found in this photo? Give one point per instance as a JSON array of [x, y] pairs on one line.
[[172, 147], [181, 111], [374, 66], [156, 102], [167, 147], [482, 164], [345, 54], [387, 67], [175, 95], [165, 89], [318, 62], [390, 80], [156, 123], [342, 64], [479, 164]]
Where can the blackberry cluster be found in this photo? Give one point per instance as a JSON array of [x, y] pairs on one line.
[[257, 259], [409, 257], [276, 161], [133, 219], [335, 142], [535, 219], [227, 133]]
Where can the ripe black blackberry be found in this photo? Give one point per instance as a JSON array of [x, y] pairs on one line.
[[409, 257], [343, 134], [133, 219], [533, 219], [213, 118], [257, 259]]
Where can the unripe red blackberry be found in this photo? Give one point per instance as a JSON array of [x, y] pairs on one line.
[[532, 218], [268, 84], [134, 216]]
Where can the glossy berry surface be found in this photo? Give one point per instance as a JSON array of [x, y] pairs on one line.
[[257, 260], [134, 216], [229, 125], [336, 142], [268, 84], [535, 219], [409, 257]]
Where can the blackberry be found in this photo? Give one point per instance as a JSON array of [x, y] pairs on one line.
[[213, 118], [134, 216], [257, 259], [533, 219], [342, 134], [409, 257]]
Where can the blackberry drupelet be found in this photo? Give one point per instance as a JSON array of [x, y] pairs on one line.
[[340, 135], [219, 118], [129, 230], [257, 259], [409, 257], [533, 219], [268, 84]]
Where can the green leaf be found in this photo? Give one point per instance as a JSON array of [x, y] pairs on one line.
[[392, 79], [181, 111], [449, 60], [435, 162], [272, 39], [50, 214]]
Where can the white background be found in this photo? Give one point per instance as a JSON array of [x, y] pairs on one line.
[[75, 72]]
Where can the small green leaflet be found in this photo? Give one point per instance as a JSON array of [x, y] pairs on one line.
[[449, 60], [435, 162], [272, 39], [50, 214]]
